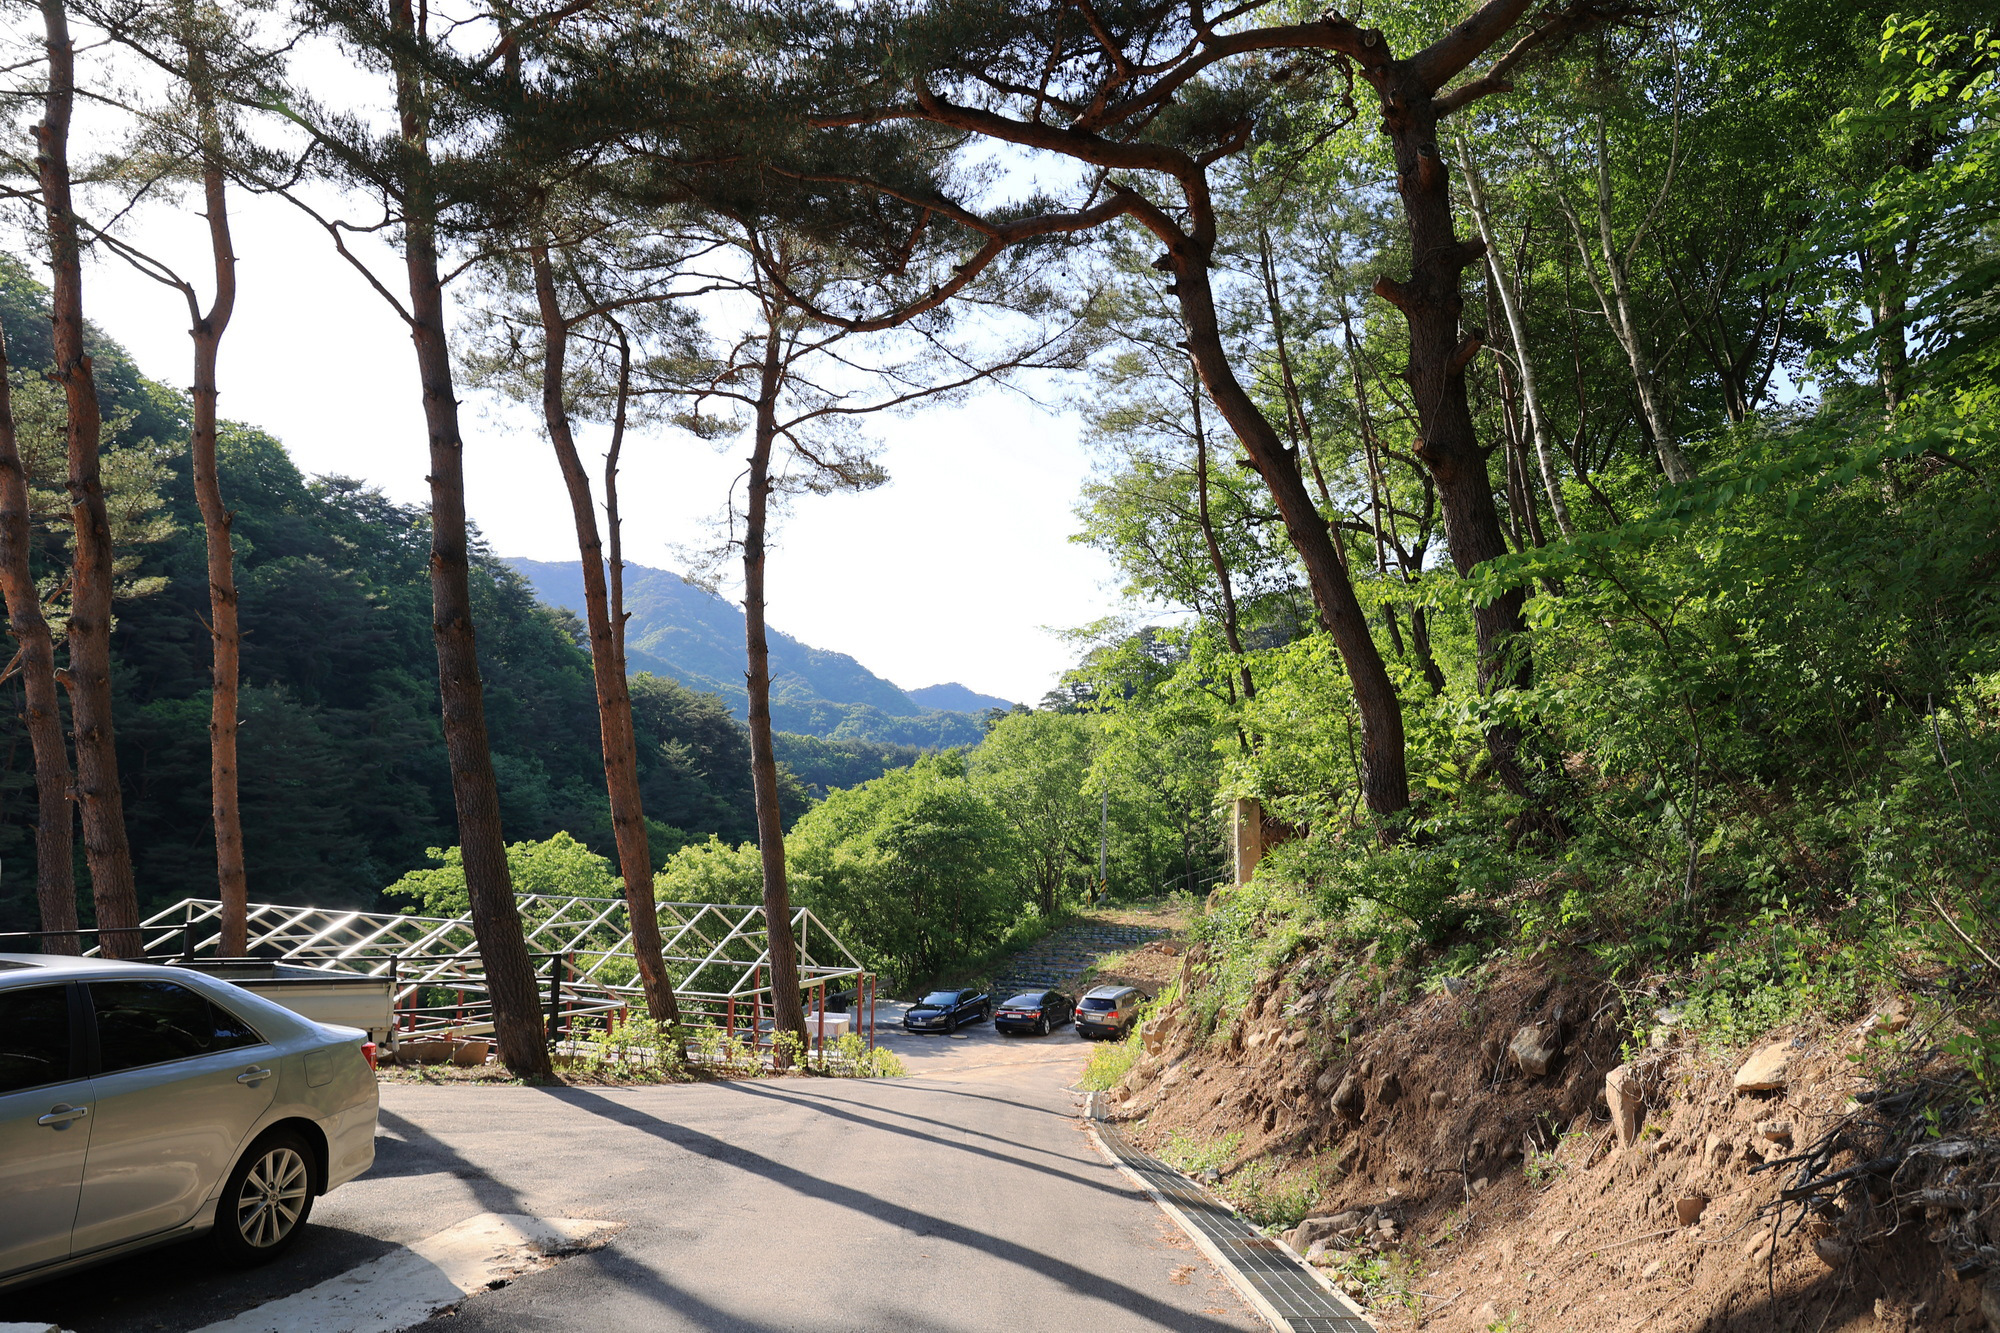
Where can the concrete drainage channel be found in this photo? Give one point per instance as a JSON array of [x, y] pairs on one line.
[[1290, 1295]]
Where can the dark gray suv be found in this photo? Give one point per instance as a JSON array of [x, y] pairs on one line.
[[1108, 1011]]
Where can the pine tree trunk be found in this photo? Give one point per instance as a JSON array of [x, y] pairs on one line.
[[614, 564], [231, 876], [89, 675], [614, 697], [1431, 304], [55, 835], [1384, 776], [787, 1013], [496, 918]]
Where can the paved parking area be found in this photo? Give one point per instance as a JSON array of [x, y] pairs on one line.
[[965, 1197]]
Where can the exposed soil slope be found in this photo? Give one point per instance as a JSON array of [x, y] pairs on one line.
[[1464, 1171]]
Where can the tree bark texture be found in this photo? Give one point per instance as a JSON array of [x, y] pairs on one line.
[[614, 697], [89, 674], [1431, 303], [496, 918], [55, 829], [232, 877], [1384, 776], [787, 1013]]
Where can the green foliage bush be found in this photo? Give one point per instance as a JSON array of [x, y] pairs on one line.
[[712, 872], [558, 866], [911, 869], [1110, 1062]]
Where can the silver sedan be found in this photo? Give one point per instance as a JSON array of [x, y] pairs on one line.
[[141, 1104]]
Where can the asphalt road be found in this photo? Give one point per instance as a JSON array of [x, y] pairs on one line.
[[965, 1197]]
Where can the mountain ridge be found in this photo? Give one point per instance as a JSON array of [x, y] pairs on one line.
[[957, 698], [683, 631]]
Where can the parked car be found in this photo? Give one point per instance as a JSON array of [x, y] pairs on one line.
[[142, 1104], [1107, 1011], [947, 1011], [1035, 1011]]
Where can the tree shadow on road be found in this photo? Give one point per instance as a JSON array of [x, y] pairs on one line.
[[1082, 1281], [827, 1108]]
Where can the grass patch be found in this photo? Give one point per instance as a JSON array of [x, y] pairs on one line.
[[1109, 1064], [1196, 1153], [1270, 1197]]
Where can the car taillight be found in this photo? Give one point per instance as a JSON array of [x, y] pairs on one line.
[[1112, 1014], [368, 1053]]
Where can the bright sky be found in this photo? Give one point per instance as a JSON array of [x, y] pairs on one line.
[[949, 573]]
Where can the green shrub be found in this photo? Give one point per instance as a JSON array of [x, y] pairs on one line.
[[1110, 1061], [1195, 1153], [850, 1057]]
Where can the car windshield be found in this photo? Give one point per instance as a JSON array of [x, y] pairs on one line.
[[941, 998], [1099, 1002]]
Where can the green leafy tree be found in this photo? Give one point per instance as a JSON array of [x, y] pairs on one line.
[[911, 869], [559, 867], [1033, 766]]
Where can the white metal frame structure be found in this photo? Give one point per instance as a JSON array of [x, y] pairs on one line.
[[717, 953]]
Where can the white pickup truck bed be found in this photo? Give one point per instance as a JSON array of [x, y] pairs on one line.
[[349, 999]]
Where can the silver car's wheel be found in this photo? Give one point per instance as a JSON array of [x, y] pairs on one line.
[[272, 1197], [266, 1201]]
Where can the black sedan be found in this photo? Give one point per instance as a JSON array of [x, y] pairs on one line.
[[1035, 1011], [947, 1010]]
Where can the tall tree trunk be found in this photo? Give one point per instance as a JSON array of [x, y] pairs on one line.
[[1889, 308], [89, 675], [1431, 304], [1215, 560], [1631, 332], [614, 696], [1384, 776], [496, 918], [1614, 299], [786, 1012], [55, 836], [1517, 335], [231, 876], [614, 563]]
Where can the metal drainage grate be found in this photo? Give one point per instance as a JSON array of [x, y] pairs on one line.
[[1293, 1292]]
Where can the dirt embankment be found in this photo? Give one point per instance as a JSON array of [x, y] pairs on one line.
[[1464, 1168]]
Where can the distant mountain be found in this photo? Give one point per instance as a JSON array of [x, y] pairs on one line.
[[956, 697], [686, 632]]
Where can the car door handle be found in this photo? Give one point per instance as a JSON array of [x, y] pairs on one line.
[[253, 1075], [60, 1116]]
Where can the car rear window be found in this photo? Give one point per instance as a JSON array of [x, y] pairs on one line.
[[143, 1023], [1098, 1002], [1025, 1002], [35, 1021]]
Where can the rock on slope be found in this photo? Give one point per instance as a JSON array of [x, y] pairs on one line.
[[1473, 1173]]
